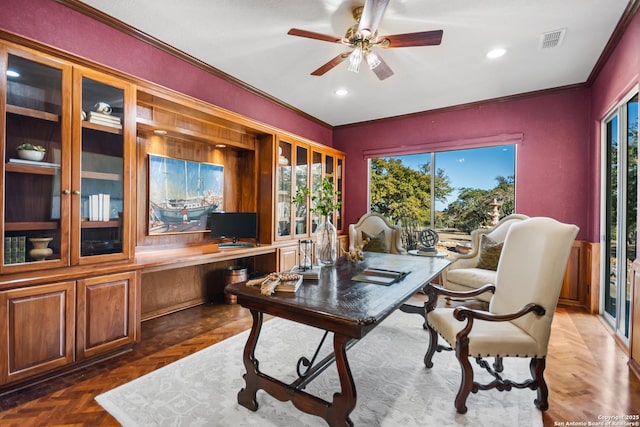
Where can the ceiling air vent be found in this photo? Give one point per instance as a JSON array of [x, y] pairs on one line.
[[552, 38]]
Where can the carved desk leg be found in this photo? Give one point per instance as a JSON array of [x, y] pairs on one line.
[[345, 401], [247, 396]]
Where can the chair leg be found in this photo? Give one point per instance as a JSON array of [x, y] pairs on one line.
[[498, 365], [536, 367], [433, 346], [466, 385]]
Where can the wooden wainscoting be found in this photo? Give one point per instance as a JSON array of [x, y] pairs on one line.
[[581, 280]]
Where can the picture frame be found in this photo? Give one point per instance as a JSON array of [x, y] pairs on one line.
[[181, 194]]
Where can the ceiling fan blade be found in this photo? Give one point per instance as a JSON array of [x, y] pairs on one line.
[[372, 13], [329, 65], [315, 36], [424, 38], [382, 70]]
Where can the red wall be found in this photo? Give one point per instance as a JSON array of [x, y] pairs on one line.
[[551, 166], [56, 25], [618, 77]]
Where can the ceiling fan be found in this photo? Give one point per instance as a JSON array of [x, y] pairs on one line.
[[363, 37]]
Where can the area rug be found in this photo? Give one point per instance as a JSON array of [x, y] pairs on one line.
[[394, 387]]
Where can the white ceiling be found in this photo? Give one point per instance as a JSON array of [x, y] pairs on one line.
[[248, 40]]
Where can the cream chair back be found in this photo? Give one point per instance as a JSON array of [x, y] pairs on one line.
[[531, 270], [373, 224]]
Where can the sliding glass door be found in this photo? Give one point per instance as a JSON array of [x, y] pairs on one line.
[[619, 212]]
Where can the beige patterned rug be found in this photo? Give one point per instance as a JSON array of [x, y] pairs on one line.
[[394, 388]]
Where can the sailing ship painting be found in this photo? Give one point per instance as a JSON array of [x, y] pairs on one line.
[[182, 193]]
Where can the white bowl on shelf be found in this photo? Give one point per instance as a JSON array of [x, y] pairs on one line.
[[31, 155]]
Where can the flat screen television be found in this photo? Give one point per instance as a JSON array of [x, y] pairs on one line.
[[233, 225]]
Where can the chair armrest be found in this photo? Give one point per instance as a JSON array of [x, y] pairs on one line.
[[433, 291], [462, 313]]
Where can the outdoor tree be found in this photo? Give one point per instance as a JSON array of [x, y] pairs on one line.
[[398, 191], [473, 209], [403, 194]]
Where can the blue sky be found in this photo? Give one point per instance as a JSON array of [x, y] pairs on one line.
[[474, 168]]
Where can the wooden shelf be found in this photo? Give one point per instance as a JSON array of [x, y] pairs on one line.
[[29, 112], [31, 225], [100, 224], [100, 175], [32, 169], [101, 128]]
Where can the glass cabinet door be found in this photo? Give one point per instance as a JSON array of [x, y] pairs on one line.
[[339, 187], [100, 180], [35, 141], [302, 178], [329, 169], [284, 190], [316, 182]]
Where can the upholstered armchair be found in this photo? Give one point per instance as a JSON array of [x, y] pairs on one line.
[[478, 267], [518, 320], [383, 236]]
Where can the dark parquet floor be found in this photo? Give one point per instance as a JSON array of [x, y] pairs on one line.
[[587, 371]]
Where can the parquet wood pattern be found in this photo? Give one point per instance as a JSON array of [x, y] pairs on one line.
[[586, 371]]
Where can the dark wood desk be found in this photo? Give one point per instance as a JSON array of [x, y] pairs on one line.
[[336, 304]]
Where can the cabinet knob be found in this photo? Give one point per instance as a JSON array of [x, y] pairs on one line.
[[66, 191], [76, 192]]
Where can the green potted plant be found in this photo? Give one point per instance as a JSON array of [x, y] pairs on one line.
[[31, 152], [324, 202]]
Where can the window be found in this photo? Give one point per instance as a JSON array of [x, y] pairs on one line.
[[467, 189], [619, 212]]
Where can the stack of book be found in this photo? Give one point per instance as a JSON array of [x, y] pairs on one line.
[[289, 286], [308, 274], [99, 207], [104, 119], [14, 249]]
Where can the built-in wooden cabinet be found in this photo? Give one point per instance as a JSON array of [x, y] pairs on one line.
[[65, 213], [81, 267], [51, 326], [75, 199], [300, 164], [37, 326], [294, 163]]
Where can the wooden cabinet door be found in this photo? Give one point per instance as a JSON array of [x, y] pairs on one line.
[[287, 258], [37, 326], [106, 310]]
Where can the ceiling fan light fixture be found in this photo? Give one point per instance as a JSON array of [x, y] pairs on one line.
[[372, 60], [496, 53], [355, 58]]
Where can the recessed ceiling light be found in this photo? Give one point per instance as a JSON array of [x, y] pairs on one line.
[[160, 132], [342, 92], [496, 53], [221, 145], [12, 73]]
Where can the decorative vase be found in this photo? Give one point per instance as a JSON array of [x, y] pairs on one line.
[[327, 239], [40, 249]]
